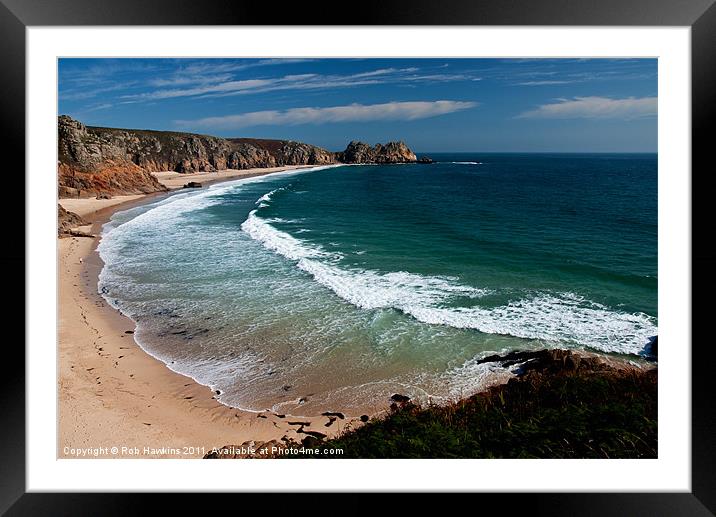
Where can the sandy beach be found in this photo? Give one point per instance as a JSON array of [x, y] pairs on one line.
[[113, 394]]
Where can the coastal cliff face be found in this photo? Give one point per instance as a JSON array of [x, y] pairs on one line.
[[96, 161], [288, 152]]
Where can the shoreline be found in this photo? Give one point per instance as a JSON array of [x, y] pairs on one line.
[[111, 393]]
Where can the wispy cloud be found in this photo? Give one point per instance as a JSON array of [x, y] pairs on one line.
[[222, 87], [98, 107], [83, 93], [595, 107], [309, 81], [543, 83], [183, 80], [412, 110]]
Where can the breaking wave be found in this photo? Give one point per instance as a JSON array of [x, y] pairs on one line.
[[558, 318]]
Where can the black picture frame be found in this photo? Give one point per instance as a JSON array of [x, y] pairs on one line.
[[700, 15]]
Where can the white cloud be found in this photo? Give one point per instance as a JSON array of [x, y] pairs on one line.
[[596, 107], [413, 110]]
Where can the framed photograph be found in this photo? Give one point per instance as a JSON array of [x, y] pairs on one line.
[[436, 249]]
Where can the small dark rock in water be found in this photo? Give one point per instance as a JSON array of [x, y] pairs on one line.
[[333, 413], [302, 400], [261, 416], [193, 184], [286, 387], [425, 159], [129, 332], [400, 398], [364, 418], [218, 392]]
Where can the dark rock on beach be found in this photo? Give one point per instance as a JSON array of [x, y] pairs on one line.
[[193, 184], [400, 399], [333, 413], [315, 434], [78, 233]]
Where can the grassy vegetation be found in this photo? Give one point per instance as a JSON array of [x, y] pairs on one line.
[[573, 415]]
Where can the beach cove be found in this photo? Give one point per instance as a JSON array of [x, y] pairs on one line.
[[113, 394]]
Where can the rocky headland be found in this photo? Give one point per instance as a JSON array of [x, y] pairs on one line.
[[96, 161], [392, 152]]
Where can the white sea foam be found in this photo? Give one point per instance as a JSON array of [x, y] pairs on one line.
[[282, 220], [466, 163], [563, 318], [398, 290], [552, 318], [151, 223], [278, 241], [267, 197], [472, 377]]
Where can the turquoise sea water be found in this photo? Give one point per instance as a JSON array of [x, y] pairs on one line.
[[335, 287]]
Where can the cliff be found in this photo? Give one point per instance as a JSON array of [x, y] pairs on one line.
[[97, 160], [288, 152]]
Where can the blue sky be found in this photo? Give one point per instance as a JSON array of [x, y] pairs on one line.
[[500, 105]]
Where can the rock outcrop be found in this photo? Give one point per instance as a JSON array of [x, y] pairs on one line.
[[392, 152], [96, 161], [67, 221]]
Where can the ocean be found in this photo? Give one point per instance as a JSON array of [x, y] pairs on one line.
[[334, 287]]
